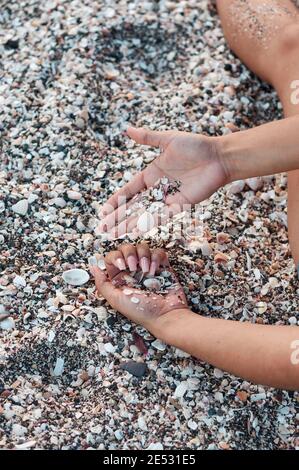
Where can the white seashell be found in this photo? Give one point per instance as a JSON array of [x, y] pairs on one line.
[[157, 344], [229, 301], [75, 277], [51, 336], [7, 324], [236, 187], [135, 300], [145, 222], [254, 183], [158, 194], [101, 264], [243, 215], [127, 291], [152, 284], [74, 195], [261, 307], [181, 390], [129, 280], [21, 207], [19, 281], [58, 369]]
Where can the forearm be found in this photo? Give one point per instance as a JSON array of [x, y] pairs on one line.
[[259, 353], [265, 150]]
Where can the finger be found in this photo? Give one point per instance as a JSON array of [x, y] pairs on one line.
[[130, 255], [144, 256], [158, 258], [148, 137], [104, 287], [123, 195], [120, 214], [114, 263]]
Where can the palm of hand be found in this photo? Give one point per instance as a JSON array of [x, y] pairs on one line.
[[193, 161]]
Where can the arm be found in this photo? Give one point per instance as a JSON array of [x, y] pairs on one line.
[[260, 353], [204, 164], [267, 149]]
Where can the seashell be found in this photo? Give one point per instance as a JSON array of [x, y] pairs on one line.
[[127, 292], [243, 215], [19, 281], [145, 222], [7, 324], [58, 369], [135, 300], [159, 345], [152, 283], [21, 207], [261, 307], [222, 238], [75, 277], [236, 187], [131, 281], [74, 195], [221, 258], [254, 183], [229, 301], [101, 264]]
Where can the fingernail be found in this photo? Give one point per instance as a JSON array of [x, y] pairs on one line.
[[132, 263], [92, 261], [144, 263], [101, 264], [120, 264], [153, 268]]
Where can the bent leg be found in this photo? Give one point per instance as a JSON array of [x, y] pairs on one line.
[[265, 36]]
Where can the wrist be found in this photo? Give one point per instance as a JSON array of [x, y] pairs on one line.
[[230, 154], [168, 327]]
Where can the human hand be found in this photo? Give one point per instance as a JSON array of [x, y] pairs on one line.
[[121, 283], [191, 159]]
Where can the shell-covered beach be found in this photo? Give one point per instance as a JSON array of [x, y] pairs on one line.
[[74, 374]]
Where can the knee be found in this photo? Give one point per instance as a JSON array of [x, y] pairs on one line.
[[289, 39]]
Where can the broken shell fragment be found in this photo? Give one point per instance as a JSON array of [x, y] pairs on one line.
[[152, 283], [254, 183], [127, 291], [101, 264], [229, 301], [261, 307], [222, 238], [75, 277], [135, 300], [236, 187]]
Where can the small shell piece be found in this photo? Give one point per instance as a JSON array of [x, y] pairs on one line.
[[75, 277], [135, 300], [254, 183], [152, 284], [145, 222], [229, 301], [236, 187]]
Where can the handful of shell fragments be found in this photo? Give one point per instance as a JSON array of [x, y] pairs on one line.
[[159, 284]]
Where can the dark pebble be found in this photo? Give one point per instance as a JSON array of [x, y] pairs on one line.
[[12, 44], [138, 369]]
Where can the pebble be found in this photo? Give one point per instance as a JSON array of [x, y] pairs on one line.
[[138, 369], [21, 207]]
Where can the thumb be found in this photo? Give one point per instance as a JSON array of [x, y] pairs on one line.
[[147, 137]]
